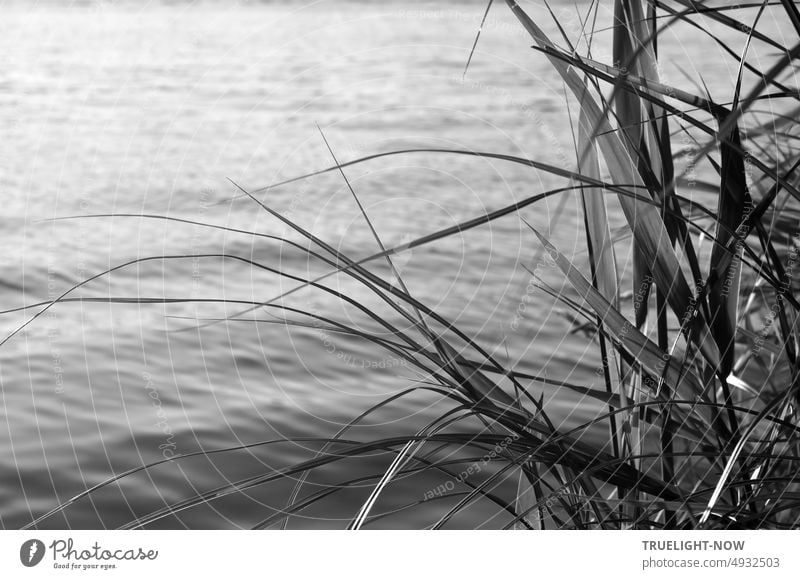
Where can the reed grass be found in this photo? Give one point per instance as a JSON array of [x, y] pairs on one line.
[[701, 405]]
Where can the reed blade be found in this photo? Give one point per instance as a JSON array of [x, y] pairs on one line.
[[644, 220]]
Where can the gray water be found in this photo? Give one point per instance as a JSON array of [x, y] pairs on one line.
[[120, 108]]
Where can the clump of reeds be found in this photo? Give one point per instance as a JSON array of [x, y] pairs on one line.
[[701, 418]]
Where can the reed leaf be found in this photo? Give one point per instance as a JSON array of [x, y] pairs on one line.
[[644, 219], [657, 362]]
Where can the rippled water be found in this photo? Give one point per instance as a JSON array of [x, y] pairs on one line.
[[118, 108]]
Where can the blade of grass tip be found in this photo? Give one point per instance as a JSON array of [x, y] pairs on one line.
[[382, 247], [477, 36]]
